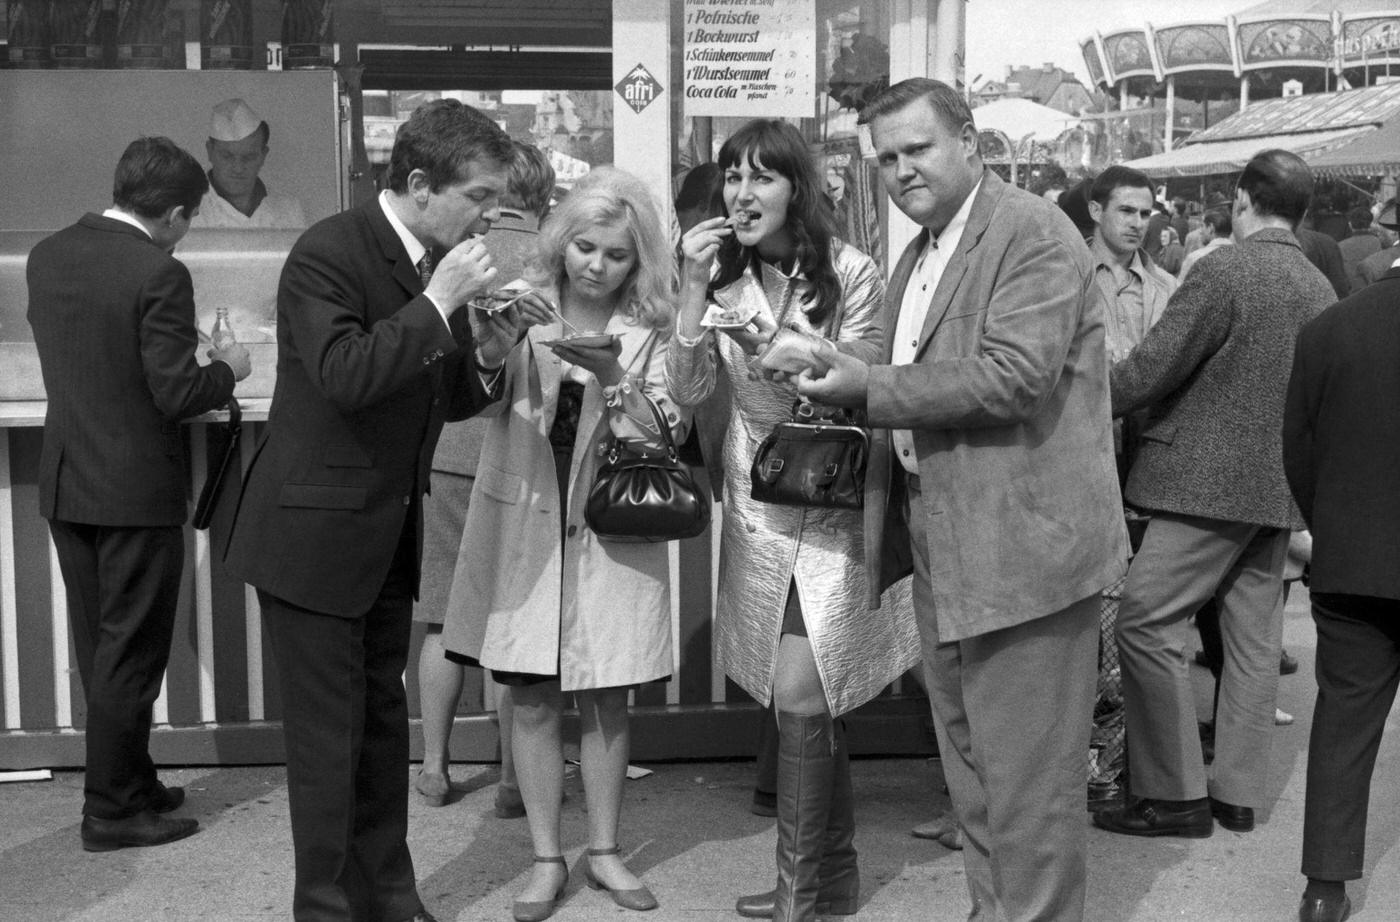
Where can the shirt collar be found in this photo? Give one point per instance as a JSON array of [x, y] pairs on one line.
[[410, 243], [259, 191], [116, 214], [1104, 259]]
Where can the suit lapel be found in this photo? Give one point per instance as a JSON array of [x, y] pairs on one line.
[[404, 271], [977, 220]]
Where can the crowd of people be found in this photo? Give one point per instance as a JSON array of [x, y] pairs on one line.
[[1032, 378]]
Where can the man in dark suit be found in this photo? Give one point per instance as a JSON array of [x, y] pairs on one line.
[[1209, 469], [998, 480], [114, 324], [1341, 452], [371, 360]]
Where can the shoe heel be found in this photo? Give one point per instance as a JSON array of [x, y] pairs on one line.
[[842, 907]]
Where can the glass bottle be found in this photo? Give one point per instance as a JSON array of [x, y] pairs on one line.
[[221, 335]]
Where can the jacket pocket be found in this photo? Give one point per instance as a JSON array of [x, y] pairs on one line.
[[499, 485], [322, 496], [347, 456]]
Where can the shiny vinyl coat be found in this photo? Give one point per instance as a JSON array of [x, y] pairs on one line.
[[764, 547]]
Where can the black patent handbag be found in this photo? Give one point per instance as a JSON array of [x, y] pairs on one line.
[[646, 499], [635, 498]]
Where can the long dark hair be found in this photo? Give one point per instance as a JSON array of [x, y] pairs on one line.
[[779, 147]]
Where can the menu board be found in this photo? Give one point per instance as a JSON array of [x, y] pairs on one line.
[[750, 58]]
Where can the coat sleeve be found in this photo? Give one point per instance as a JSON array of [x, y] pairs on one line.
[[862, 332], [630, 404], [179, 386], [1035, 308], [1193, 327], [1299, 413], [353, 363]]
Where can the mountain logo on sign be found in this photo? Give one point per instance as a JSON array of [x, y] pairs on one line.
[[639, 88]]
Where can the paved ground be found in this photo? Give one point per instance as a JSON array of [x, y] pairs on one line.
[[687, 832]]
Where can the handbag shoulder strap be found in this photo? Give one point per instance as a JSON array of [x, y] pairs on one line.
[[663, 428]]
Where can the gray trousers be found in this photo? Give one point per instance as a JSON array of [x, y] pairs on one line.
[[1013, 709], [1183, 562]]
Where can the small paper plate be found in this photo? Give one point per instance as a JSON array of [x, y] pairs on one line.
[[720, 317], [590, 340]]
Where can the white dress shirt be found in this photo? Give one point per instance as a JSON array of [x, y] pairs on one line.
[[913, 310]]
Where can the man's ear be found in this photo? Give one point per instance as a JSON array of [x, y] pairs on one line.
[[1096, 211], [172, 214], [418, 186]]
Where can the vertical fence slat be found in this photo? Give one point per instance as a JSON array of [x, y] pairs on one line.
[[9, 620]]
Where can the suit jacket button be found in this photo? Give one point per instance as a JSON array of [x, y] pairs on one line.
[[405, 500], [573, 530]]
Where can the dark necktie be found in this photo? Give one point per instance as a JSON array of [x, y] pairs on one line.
[[425, 267]]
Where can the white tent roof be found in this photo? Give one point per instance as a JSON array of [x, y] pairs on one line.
[[1017, 118]]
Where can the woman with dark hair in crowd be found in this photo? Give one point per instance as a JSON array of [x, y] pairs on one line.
[[791, 623]]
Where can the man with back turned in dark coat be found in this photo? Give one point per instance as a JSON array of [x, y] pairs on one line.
[[114, 325], [1341, 451]]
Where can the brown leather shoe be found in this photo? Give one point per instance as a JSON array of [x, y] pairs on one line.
[[1147, 817], [145, 828]]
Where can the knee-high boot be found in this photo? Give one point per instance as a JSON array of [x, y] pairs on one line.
[[838, 893], [838, 877], [805, 767]]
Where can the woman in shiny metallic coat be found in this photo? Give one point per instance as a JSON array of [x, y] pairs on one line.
[[792, 624]]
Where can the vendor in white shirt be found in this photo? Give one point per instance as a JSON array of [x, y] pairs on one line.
[[237, 198]]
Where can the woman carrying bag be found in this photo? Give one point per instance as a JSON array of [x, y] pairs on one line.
[[537, 597], [791, 621]]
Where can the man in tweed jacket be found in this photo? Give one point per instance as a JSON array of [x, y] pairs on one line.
[[1214, 371]]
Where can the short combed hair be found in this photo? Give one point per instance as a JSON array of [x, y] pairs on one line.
[[1359, 217], [952, 109], [154, 175], [442, 138], [1279, 184], [1118, 177], [779, 147], [1219, 221], [529, 179], [608, 196]]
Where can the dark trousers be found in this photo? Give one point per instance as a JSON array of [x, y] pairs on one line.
[[123, 585], [345, 723], [1358, 670]]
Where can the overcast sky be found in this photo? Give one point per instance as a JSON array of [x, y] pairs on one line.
[[1032, 32]]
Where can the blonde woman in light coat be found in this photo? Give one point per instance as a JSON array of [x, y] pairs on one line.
[[791, 623], [537, 598]]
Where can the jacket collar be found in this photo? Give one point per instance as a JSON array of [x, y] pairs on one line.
[[984, 203]]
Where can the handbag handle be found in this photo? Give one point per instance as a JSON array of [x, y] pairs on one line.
[[663, 429]]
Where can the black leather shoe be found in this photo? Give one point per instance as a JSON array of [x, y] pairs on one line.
[[165, 799], [1324, 909], [145, 828], [1148, 817], [1235, 819]]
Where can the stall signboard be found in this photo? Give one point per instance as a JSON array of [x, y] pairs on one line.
[[750, 58]]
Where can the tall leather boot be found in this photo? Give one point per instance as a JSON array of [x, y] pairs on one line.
[[839, 891], [838, 877], [806, 764]]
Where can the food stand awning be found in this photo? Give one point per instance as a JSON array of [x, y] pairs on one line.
[[1231, 156], [1374, 154], [1022, 118]]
